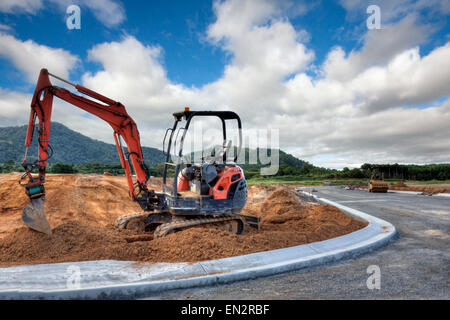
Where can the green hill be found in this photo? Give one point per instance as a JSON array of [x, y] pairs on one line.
[[284, 159], [69, 147]]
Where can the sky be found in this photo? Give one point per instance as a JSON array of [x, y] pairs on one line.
[[340, 92]]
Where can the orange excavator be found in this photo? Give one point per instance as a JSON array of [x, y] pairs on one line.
[[209, 193]]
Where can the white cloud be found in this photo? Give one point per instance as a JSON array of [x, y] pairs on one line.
[[393, 10], [30, 57], [256, 37], [134, 76], [357, 110], [4, 27], [14, 107], [21, 6], [379, 47], [109, 12], [407, 79]]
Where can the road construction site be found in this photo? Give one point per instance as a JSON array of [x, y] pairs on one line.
[[81, 210], [414, 266]]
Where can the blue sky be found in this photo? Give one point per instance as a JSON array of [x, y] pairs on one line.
[[327, 69], [176, 26], [179, 28]]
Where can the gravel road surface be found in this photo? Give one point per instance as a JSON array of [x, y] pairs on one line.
[[415, 266]]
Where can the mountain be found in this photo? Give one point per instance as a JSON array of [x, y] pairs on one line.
[[283, 158], [69, 147], [72, 147]]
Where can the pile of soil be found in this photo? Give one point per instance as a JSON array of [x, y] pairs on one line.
[[436, 188], [399, 184], [82, 210], [95, 200]]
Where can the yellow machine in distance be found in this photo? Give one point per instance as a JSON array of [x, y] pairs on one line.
[[377, 183]]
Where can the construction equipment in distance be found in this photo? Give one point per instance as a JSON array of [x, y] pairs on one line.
[[210, 193], [377, 183]]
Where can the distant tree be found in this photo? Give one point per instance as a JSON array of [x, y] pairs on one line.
[[62, 168]]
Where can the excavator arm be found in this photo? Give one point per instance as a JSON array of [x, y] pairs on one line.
[[110, 111]]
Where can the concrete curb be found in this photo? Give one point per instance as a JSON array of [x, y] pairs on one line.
[[405, 192], [109, 279]]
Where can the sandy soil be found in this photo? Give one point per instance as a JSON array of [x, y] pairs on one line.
[[435, 188], [82, 209]]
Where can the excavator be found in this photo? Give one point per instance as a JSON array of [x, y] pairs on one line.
[[208, 193]]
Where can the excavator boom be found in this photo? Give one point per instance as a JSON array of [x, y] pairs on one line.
[[107, 109]]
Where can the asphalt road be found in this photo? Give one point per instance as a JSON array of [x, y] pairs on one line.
[[415, 266]]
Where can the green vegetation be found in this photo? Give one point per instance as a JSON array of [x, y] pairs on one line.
[[308, 174], [75, 153], [285, 159], [69, 147], [429, 182], [318, 182], [10, 166], [411, 171]]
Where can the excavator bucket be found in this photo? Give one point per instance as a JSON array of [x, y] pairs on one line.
[[33, 216]]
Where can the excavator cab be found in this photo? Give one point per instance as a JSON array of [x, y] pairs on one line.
[[195, 183], [199, 190]]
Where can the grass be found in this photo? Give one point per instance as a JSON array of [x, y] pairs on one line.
[[304, 182], [428, 182], [268, 182], [312, 181]]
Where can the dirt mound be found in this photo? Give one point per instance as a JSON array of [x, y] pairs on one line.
[[283, 205], [93, 199], [399, 184], [435, 188], [70, 241], [82, 209]]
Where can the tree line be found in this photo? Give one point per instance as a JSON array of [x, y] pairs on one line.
[[411, 171], [307, 170], [390, 171]]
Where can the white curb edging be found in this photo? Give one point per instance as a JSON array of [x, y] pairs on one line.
[[126, 279]]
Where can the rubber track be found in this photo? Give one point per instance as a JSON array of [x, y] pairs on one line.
[[165, 228], [122, 221]]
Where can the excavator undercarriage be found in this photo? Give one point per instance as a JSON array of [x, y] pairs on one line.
[[162, 224]]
